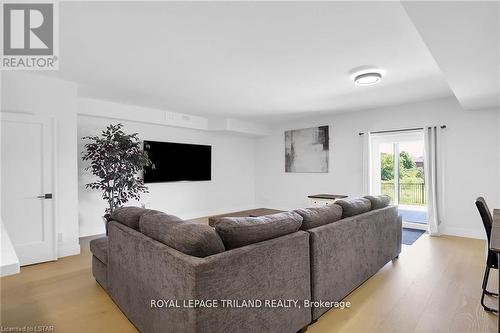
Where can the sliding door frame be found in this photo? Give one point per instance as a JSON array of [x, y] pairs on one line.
[[395, 139]]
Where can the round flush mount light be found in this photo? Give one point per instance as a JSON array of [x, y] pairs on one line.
[[367, 79]]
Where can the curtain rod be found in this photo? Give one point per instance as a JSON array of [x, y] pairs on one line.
[[400, 130]]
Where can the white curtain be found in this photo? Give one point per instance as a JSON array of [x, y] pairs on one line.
[[433, 166], [366, 164]]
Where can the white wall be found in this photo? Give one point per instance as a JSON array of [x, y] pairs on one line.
[[43, 96], [249, 172], [231, 187], [471, 155]]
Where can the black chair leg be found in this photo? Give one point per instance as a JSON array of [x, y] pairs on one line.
[[485, 292], [489, 293], [485, 282], [486, 308]]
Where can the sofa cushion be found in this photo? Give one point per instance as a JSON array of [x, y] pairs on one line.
[[240, 231], [379, 201], [130, 216], [355, 206], [317, 216], [191, 238], [99, 248]]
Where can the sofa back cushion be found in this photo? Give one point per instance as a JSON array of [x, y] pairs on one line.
[[240, 231], [191, 238], [379, 201], [317, 216], [130, 215], [355, 206]]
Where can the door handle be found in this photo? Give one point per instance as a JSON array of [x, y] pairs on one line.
[[45, 196]]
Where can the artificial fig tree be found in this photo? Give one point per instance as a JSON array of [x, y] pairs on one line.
[[116, 159]]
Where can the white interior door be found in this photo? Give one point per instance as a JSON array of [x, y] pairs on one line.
[[27, 206]]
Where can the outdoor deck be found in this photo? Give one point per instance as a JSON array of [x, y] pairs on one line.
[[415, 214]]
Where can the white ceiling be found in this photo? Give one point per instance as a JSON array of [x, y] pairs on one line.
[[464, 38], [260, 61]]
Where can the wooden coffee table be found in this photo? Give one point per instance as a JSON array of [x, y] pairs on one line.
[[244, 213]]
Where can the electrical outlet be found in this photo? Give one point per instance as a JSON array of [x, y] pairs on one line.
[[59, 237]]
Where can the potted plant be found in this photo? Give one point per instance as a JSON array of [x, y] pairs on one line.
[[116, 159]]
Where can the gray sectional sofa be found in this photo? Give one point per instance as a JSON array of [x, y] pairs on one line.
[[155, 265]]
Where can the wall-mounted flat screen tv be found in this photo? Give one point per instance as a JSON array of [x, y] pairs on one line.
[[174, 162]]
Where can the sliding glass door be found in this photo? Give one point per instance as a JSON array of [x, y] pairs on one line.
[[397, 170]]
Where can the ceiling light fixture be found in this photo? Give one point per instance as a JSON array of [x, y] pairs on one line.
[[367, 79]]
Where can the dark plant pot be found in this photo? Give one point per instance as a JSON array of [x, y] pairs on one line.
[[106, 218]]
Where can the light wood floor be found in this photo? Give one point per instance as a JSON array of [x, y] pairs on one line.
[[433, 287]]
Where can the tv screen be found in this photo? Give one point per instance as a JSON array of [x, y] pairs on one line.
[[177, 162]]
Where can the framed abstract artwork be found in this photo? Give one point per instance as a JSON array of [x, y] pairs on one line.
[[307, 150]]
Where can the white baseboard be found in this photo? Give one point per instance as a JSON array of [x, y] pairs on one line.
[[9, 269], [464, 232], [68, 249]]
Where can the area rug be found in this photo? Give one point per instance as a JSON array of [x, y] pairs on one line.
[[411, 235]]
